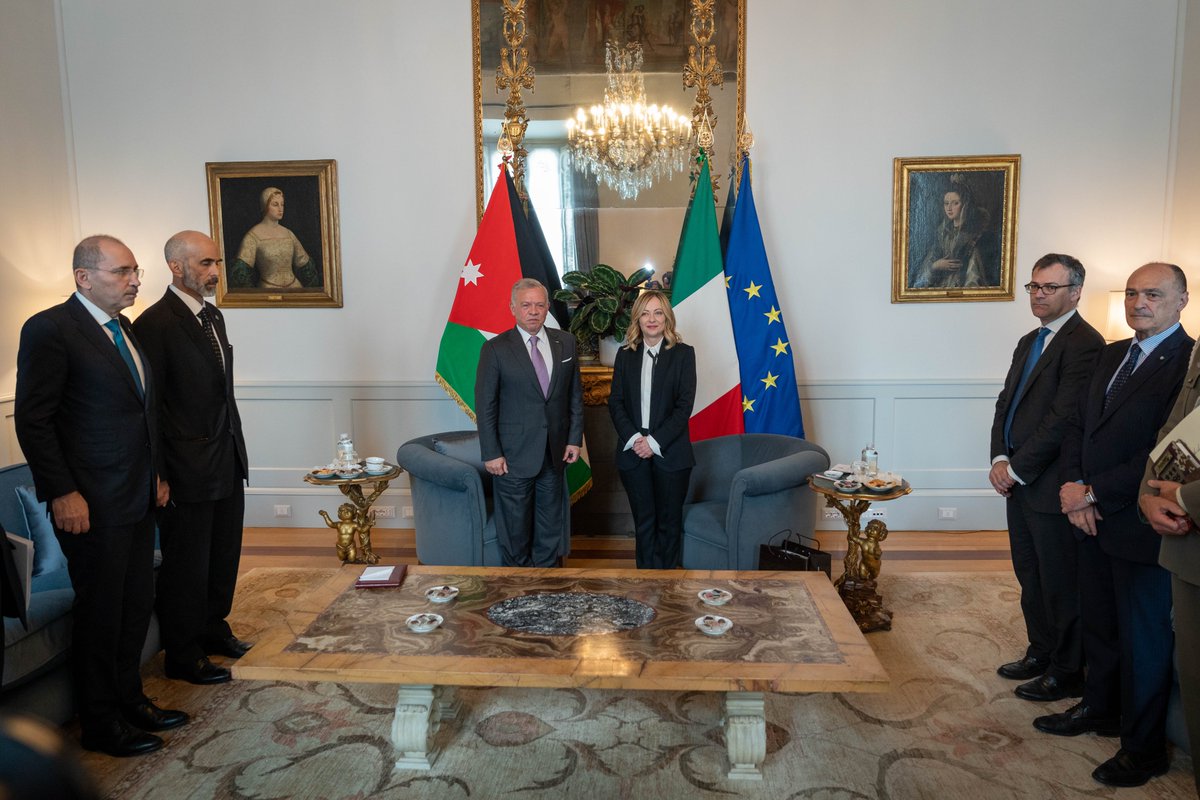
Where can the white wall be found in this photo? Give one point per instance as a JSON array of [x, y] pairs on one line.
[[1082, 89]]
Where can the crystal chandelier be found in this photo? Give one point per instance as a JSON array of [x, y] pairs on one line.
[[626, 142]]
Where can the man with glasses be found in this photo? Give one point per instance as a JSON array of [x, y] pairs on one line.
[[84, 417], [1050, 367]]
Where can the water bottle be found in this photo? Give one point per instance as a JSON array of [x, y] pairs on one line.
[[345, 451], [871, 456]]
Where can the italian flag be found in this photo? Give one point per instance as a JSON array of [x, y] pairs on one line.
[[481, 311], [702, 317]]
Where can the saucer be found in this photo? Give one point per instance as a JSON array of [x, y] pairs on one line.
[[423, 623], [383, 471], [712, 625], [323, 473], [441, 594], [714, 597], [847, 485]]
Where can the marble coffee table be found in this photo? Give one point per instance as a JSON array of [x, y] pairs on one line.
[[573, 628]]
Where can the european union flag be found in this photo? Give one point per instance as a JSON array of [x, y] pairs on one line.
[[770, 400]]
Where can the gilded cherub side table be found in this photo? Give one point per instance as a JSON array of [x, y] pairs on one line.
[[355, 519], [864, 555]]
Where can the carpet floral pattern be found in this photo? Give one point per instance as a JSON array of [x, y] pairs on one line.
[[949, 727]]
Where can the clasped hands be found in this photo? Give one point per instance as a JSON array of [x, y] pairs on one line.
[[1080, 513], [1163, 511]]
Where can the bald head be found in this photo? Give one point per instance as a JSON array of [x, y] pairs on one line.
[[1155, 294], [195, 263]]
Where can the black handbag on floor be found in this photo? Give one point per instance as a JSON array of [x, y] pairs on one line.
[[792, 553]]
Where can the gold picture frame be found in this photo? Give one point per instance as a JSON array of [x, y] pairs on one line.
[[276, 254], [954, 228]]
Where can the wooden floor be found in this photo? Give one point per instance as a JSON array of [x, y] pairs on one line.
[[903, 551]]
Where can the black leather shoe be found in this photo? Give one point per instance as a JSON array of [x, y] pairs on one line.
[[1028, 667], [230, 646], [149, 717], [118, 739], [1048, 687], [1076, 720], [1131, 769], [201, 671]]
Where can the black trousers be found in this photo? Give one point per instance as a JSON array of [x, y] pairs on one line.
[[1044, 560], [1098, 627], [656, 498], [530, 524], [201, 547], [112, 572]]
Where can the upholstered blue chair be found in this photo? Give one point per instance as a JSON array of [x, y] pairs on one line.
[[744, 489]]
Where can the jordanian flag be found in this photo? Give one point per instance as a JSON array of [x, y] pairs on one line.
[[481, 306], [702, 316]]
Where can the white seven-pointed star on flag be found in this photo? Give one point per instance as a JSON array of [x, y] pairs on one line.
[[470, 273]]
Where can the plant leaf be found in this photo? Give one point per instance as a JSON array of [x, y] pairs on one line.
[[575, 278]]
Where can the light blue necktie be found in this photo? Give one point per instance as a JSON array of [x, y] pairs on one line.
[[119, 340], [1035, 353]]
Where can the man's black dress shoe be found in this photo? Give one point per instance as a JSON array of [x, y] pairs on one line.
[[1076, 720], [1127, 768], [201, 671], [116, 738], [1048, 687], [149, 717], [230, 646], [1028, 667]]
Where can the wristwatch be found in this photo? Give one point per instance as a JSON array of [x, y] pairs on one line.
[[1089, 496]]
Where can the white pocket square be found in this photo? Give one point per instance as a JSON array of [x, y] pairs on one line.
[[565, 360]]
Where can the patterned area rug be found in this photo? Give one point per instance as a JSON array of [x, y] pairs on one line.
[[948, 728]]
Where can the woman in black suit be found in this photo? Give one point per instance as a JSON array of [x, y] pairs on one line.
[[653, 389]]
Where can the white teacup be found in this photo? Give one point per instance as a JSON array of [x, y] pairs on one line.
[[376, 464]]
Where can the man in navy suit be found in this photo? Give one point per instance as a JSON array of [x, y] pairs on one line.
[[204, 461], [529, 407], [1050, 368], [85, 419], [1125, 596]]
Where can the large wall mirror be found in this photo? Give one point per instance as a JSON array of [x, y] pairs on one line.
[[584, 220]]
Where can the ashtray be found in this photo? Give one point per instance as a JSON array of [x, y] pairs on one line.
[[847, 485], [349, 472], [441, 594], [714, 597], [712, 625], [423, 623]]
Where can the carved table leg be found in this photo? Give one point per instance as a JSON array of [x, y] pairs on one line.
[[449, 704], [412, 730], [745, 734]]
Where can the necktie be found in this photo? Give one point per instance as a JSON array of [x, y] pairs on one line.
[[119, 340], [1035, 353], [206, 323], [539, 366], [1123, 373]]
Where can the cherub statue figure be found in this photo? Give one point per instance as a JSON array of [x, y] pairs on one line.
[[872, 553], [354, 538]]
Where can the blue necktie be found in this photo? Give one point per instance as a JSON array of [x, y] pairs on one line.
[[1123, 374], [1035, 353], [126, 356]]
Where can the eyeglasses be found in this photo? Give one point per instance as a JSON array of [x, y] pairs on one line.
[[124, 273], [1047, 288]]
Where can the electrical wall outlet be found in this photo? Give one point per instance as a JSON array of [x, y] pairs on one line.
[[875, 513], [407, 512], [385, 512], [947, 513], [830, 513], [283, 511]]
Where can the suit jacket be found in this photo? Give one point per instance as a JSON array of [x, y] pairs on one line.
[[515, 420], [1181, 554], [204, 452], [672, 395], [78, 417], [1050, 397], [1108, 447]]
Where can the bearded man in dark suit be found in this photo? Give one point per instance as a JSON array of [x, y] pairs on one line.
[[1125, 596], [1050, 367], [529, 407], [204, 461], [85, 419]]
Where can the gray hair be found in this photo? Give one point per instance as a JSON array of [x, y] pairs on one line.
[[178, 247], [1072, 265], [527, 283], [87, 253]]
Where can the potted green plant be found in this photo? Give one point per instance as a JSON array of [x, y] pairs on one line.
[[600, 302]]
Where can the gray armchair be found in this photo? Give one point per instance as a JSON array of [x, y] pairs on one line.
[[452, 500], [745, 489]]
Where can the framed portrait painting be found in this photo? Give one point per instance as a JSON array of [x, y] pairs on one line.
[[954, 228], [276, 223]]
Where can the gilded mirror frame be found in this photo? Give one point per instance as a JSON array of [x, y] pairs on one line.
[[478, 78]]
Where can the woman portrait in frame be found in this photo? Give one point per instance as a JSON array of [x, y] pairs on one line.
[[276, 223], [954, 228]]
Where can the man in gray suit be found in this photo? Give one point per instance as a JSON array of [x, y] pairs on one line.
[[1050, 368], [529, 407], [1173, 510]]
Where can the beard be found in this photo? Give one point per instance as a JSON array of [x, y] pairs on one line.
[[190, 281]]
